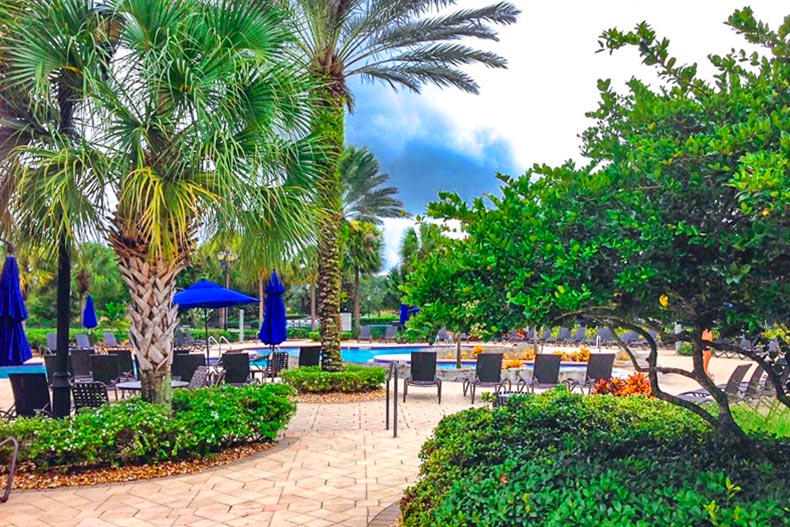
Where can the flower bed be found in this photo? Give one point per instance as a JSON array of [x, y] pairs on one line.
[[134, 432], [313, 379], [561, 459]]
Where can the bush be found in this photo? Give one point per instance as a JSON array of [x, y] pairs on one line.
[[315, 335], [686, 349], [636, 384], [351, 379], [560, 459], [37, 337], [203, 421], [299, 333]]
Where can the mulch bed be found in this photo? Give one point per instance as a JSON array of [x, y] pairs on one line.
[[342, 397], [28, 478]]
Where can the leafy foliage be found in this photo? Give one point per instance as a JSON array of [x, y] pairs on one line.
[[560, 459], [133, 431], [350, 379], [635, 384]]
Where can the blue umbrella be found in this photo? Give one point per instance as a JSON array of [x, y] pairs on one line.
[[274, 330], [208, 295], [404, 314], [89, 314], [14, 347]]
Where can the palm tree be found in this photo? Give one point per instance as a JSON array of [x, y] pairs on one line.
[[200, 121], [364, 197], [364, 243], [403, 43]]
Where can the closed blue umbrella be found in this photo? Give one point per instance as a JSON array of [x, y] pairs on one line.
[[274, 330], [14, 346], [89, 314], [404, 314]]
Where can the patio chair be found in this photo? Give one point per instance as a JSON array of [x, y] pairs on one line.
[[423, 373], [605, 337], [732, 388], [390, 332], [278, 361], [753, 388], [580, 337], [83, 343], [488, 374], [80, 365], [89, 395], [442, 336], [236, 368], [106, 370], [629, 338], [186, 364], [50, 362], [112, 343], [545, 374], [31, 395], [598, 367], [545, 336], [125, 363], [201, 378], [52, 342], [309, 356], [364, 334]]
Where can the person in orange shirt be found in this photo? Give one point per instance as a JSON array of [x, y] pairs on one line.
[[707, 336]]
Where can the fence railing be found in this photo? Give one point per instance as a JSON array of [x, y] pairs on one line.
[[392, 376], [11, 467]]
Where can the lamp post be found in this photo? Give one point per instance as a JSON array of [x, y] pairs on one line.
[[225, 258]]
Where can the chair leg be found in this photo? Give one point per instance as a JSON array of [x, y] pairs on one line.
[[473, 393], [465, 386], [405, 389], [439, 385]]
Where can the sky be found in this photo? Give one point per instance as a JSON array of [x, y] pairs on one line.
[[533, 112]]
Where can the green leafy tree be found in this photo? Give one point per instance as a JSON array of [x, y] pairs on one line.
[[364, 243], [199, 119], [403, 43], [681, 216]]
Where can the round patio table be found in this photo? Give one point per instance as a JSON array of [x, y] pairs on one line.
[[137, 385]]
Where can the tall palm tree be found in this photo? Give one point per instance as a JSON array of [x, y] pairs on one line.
[[199, 121], [364, 243], [403, 43], [364, 197]]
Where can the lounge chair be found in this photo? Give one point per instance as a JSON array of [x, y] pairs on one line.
[[732, 388], [89, 395], [442, 336], [364, 334], [545, 336], [598, 367], [200, 378], [604, 337], [52, 342], [629, 338], [753, 388], [83, 343], [309, 356], [278, 361], [236, 368], [423, 373], [125, 363], [31, 395], [112, 343], [488, 374], [80, 364], [186, 364], [107, 370], [580, 337], [390, 332], [545, 374], [50, 364]]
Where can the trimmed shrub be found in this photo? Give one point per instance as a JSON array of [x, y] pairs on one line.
[[635, 384], [315, 335], [560, 459], [313, 379], [131, 432]]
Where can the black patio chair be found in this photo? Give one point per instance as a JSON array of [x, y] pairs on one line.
[[580, 337], [390, 332], [50, 363], [605, 337], [277, 362], [200, 378], [186, 364], [107, 370], [423, 373], [442, 336], [732, 388], [89, 395], [598, 367], [309, 356], [83, 343], [545, 336], [80, 365], [52, 342], [125, 363], [545, 374], [629, 338], [236, 368], [112, 343], [31, 395], [754, 387], [488, 374], [364, 334]]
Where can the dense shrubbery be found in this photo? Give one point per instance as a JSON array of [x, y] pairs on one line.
[[560, 459], [315, 335], [351, 379], [38, 336], [133, 431], [635, 384]]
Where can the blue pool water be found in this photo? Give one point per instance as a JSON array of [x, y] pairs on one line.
[[25, 368]]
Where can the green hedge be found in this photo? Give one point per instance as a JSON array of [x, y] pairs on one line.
[[315, 335], [38, 336], [203, 421], [383, 319], [558, 459], [351, 379]]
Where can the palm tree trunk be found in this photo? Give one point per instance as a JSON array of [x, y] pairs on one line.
[[357, 302], [261, 300], [328, 124], [153, 319], [312, 307]]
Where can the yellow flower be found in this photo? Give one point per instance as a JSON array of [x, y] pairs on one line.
[[663, 300], [766, 212]]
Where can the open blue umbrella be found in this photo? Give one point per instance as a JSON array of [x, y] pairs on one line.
[[14, 347], [205, 294], [89, 314], [274, 330]]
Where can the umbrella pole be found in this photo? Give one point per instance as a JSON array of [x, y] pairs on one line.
[[205, 327]]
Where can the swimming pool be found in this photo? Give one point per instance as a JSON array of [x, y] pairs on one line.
[[25, 368]]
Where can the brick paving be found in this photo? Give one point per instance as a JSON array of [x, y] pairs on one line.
[[336, 465]]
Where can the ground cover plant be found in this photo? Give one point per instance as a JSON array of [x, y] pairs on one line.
[[313, 379], [131, 432], [561, 459]]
